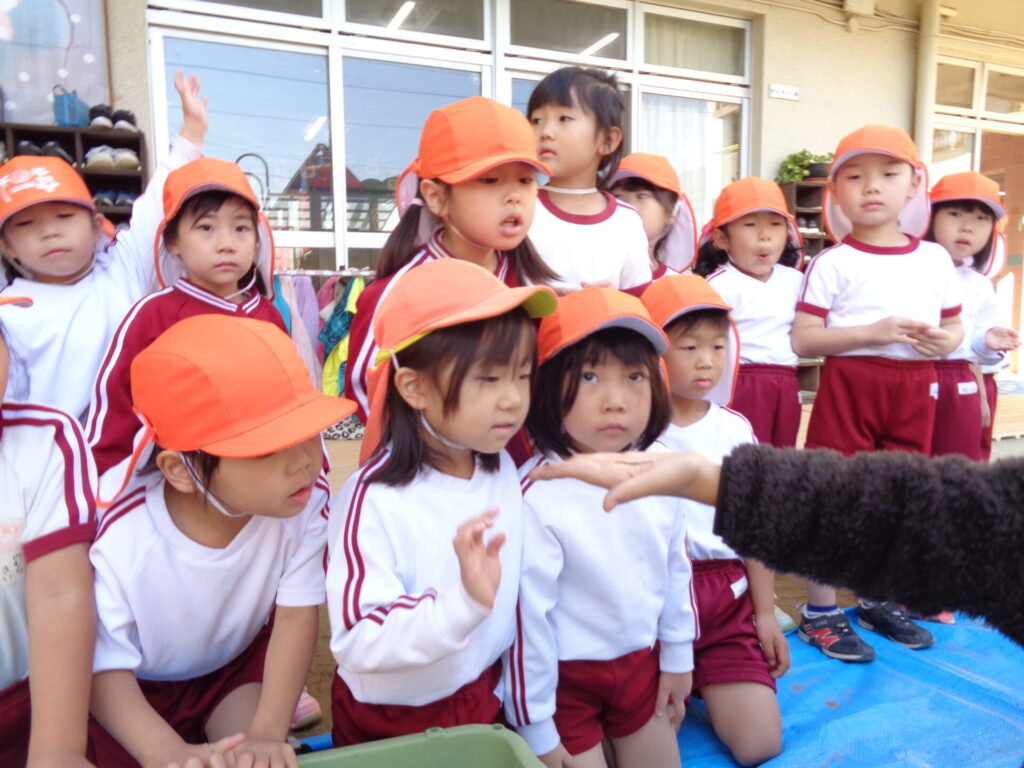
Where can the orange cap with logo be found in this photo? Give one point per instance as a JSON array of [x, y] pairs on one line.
[[459, 142], [205, 175], [435, 295], [587, 311], [230, 386], [750, 195], [680, 249], [29, 179], [971, 185], [672, 296], [875, 139]]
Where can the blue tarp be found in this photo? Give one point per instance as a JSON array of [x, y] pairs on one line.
[[959, 703]]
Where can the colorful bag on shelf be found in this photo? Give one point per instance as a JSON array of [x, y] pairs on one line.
[[69, 109]]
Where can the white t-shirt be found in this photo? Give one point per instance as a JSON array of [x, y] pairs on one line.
[[595, 585], [763, 311], [980, 313], [610, 246], [58, 344], [170, 608], [854, 284], [403, 628], [714, 436], [48, 484]]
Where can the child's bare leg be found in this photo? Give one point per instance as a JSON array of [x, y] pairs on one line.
[[653, 746], [745, 716], [820, 594], [234, 713], [592, 758]]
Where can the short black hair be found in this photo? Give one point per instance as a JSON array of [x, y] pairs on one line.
[[492, 341], [967, 206], [596, 92], [687, 321], [559, 380]]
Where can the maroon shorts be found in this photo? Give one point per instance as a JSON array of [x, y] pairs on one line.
[[15, 721], [992, 392], [769, 396], [186, 705], [874, 403], [599, 699], [356, 722], [958, 412], [726, 649]]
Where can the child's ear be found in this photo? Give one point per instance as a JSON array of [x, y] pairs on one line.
[[174, 470], [435, 195], [413, 387], [720, 239], [916, 177], [612, 140]]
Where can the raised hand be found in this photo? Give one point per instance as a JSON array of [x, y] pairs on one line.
[[479, 563], [193, 108]]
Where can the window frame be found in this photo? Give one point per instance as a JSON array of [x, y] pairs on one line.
[[245, 13], [982, 97]]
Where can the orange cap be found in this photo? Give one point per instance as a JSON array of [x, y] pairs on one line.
[[462, 140], [229, 386], [750, 195], [680, 249], [589, 310], [29, 179], [672, 296], [969, 185], [21, 301], [875, 139], [204, 175], [438, 294]]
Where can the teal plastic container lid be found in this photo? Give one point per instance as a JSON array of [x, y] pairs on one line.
[[464, 746]]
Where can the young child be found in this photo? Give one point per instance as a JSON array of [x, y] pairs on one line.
[[748, 253], [581, 231], [422, 607], [47, 521], [740, 649], [83, 284], [215, 236], [880, 306], [965, 209], [469, 195], [605, 627], [209, 563], [649, 183]]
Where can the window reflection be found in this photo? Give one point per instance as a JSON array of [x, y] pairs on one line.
[[461, 18], [386, 105], [567, 25], [268, 112]]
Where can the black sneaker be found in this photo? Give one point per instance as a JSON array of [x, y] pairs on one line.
[[100, 116], [26, 147], [104, 199], [832, 634], [891, 620], [124, 120]]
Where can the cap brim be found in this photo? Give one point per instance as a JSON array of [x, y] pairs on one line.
[[537, 300], [475, 169], [997, 209], [635, 323], [18, 301], [90, 206], [285, 429]]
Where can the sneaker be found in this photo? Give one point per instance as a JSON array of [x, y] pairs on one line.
[[100, 158], [126, 159], [124, 120], [307, 711], [100, 116], [891, 620], [125, 199], [786, 623], [53, 149], [103, 199], [26, 147], [832, 634]]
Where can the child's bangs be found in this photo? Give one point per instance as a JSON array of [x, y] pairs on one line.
[[628, 346]]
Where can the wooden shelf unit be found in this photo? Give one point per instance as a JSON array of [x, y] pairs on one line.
[[804, 199]]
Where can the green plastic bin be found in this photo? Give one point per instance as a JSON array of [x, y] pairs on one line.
[[464, 746]]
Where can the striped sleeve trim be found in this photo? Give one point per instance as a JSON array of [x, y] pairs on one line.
[[811, 309], [353, 557], [123, 506], [52, 542], [517, 677], [952, 311]]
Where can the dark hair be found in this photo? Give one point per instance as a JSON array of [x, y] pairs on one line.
[[967, 206], [687, 321], [211, 201], [559, 382], [205, 464], [596, 92], [710, 257], [401, 246], [492, 341], [666, 197]]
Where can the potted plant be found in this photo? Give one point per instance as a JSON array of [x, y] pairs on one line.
[[803, 164]]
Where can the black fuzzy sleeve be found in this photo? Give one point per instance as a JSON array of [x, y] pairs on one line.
[[934, 534]]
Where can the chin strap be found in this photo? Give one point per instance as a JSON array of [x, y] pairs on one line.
[[439, 438], [247, 287], [214, 501]]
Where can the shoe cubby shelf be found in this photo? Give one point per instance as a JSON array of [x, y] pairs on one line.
[[77, 142], [804, 199]]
